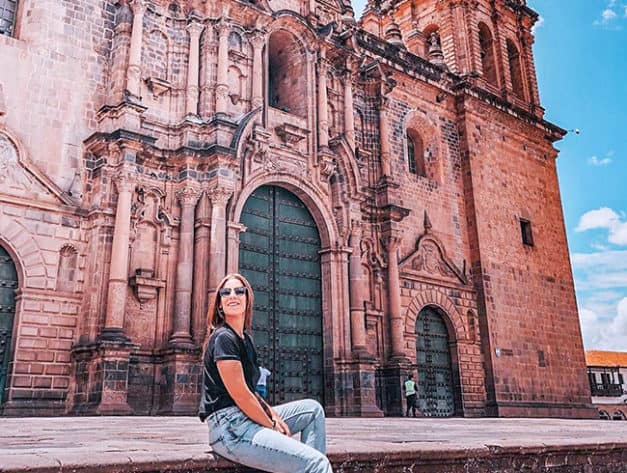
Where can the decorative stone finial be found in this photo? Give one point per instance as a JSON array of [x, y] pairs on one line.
[[393, 35], [436, 56], [427, 222]]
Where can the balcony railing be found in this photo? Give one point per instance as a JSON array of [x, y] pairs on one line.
[[607, 390]]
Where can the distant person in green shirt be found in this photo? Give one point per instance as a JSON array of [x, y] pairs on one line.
[[410, 394]]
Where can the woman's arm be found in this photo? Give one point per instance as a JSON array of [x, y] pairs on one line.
[[232, 376], [274, 415]]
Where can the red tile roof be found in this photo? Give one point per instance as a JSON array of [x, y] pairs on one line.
[[606, 358]]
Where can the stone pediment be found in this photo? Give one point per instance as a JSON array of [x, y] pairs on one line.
[[21, 178], [429, 260]]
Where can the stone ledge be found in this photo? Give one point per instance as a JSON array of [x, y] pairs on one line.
[[491, 459], [391, 445]]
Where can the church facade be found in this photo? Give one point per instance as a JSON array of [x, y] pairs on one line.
[[387, 185]]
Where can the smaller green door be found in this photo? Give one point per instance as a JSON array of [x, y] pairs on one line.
[[8, 286], [435, 374]]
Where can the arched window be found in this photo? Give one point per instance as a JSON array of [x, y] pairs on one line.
[[430, 33], [515, 71], [235, 42], [415, 154], [287, 74], [8, 13], [486, 45]]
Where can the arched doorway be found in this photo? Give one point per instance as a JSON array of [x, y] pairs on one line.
[[279, 255], [435, 373], [8, 286]]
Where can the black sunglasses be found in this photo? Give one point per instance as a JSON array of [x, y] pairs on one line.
[[226, 291]]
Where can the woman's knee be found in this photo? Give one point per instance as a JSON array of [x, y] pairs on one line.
[[315, 407], [319, 464]]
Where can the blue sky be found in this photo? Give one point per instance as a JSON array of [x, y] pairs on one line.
[[581, 62], [582, 67]]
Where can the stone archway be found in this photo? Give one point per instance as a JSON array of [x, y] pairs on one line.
[[280, 255], [8, 286]]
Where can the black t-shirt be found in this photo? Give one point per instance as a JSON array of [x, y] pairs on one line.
[[225, 344]]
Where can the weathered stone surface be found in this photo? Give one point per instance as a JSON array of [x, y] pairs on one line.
[[133, 133], [142, 444]]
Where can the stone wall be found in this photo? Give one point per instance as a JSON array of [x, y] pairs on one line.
[[145, 125]]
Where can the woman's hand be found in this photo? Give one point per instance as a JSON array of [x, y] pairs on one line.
[[232, 375], [281, 426]]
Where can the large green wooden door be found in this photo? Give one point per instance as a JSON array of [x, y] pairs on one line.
[[8, 286], [279, 255], [435, 375]]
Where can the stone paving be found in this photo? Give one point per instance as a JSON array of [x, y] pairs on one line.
[[167, 443]]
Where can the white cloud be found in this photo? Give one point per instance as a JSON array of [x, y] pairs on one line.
[[604, 161], [596, 161], [611, 15], [609, 260], [595, 245], [601, 285], [608, 15], [539, 24], [600, 218], [605, 333], [590, 328], [605, 218]]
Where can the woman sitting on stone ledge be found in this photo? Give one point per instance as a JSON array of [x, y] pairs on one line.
[[242, 427]]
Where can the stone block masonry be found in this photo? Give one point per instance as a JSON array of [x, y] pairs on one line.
[[141, 142]]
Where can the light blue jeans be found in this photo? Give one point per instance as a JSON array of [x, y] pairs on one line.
[[235, 437]]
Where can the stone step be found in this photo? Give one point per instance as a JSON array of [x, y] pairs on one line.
[[390, 445]]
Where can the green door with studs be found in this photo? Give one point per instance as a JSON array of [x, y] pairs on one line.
[[435, 374], [279, 255], [8, 286]]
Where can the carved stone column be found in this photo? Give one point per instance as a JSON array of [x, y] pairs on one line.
[[323, 101], [392, 244], [458, 12], [181, 334], [392, 374], [120, 46], [357, 294], [217, 244], [258, 40], [232, 261], [349, 112], [222, 84], [118, 272], [524, 65], [195, 29], [201, 270], [133, 75], [500, 56], [384, 138]]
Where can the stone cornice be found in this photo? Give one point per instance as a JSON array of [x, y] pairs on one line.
[[49, 207], [130, 136], [450, 82], [554, 132], [408, 62]]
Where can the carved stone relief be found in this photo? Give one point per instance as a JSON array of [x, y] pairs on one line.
[[151, 232], [429, 260], [15, 179], [12, 175]]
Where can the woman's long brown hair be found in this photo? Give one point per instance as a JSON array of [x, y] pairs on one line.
[[215, 315]]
